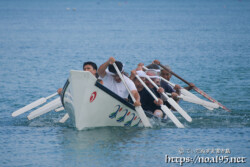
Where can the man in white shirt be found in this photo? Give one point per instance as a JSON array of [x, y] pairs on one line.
[[112, 80]]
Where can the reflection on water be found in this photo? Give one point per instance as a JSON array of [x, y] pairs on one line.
[[102, 145], [119, 146]]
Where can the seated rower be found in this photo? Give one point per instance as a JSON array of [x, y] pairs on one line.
[[156, 70], [163, 87], [167, 75], [148, 103], [112, 80]]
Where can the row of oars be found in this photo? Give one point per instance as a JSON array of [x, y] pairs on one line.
[[185, 95]]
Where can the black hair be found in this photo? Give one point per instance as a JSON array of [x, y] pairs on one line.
[[90, 63], [119, 65], [153, 66]]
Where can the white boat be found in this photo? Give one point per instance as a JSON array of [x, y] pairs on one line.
[[90, 104]]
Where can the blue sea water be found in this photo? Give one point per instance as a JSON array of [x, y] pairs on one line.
[[205, 42]]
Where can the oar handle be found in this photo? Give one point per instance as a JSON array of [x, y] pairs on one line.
[[145, 86], [124, 83], [152, 82], [170, 83], [174, 74]]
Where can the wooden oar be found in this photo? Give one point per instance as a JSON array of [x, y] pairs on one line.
[[163, 107], [32, 105], [172, 103], [139, 109], [46, 108], [64, 118], [196, 88], [183, 90]]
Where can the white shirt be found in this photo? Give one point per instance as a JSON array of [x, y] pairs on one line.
[[116, 87]]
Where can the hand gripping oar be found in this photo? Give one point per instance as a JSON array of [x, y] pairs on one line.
[[163, 107], [32, 105], [139, 109], [190, 97], [172, 103], [183, 91], [197, 89], [46, 108]]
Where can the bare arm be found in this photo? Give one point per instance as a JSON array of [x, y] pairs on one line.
[[137, 98], [139, 67], [133, 74], [101, 70], [177, 89]]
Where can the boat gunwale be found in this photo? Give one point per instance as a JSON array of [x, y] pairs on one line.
[[103, 88], [117, 97]]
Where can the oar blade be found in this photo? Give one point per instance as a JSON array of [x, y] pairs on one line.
[[143, 117], [197, 89], [210, 98], [172, 116], [179, 109], [46, 108], [59, 109], [64, 118], [187, 93], [200, 101], [29, 107]]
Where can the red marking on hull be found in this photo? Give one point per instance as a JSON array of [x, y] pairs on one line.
[[92, 97]]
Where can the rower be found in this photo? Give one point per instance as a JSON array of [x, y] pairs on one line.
[[112, 80], [149, 104], [154, 71], [167, 75]]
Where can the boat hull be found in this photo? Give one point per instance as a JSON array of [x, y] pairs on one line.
[[90, 104]]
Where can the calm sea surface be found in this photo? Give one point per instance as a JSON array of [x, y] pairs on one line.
[[205, 42]]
